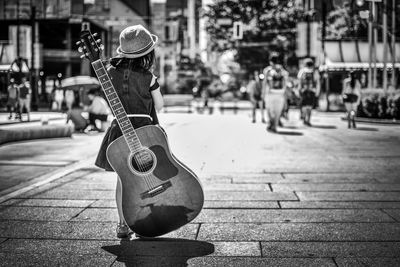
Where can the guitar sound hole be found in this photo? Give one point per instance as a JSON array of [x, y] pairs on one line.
[[142, 161]]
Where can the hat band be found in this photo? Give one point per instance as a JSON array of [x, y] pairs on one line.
[[138, 51]]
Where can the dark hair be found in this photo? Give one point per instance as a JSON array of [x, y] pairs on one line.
[[93, 91], [309, 62], [143, 63], [353, 78], [274, 58]]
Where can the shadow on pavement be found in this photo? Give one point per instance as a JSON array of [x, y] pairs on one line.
[[323, 126], [370, 129], [159, 251], [289, 133]]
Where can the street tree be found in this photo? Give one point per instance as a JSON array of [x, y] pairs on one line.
[[269, 25]]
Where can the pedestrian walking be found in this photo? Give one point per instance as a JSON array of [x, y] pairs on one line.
[[309, 88], [69, 99], [256, 94], [351, 97], [25, 98], [274, 85], [139, 92], [12, 100], [98, 110], [59, 98]]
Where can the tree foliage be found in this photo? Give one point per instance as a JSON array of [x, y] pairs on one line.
[[346, 23], [270, 22]]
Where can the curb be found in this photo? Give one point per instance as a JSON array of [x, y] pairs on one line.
[[34, 132]]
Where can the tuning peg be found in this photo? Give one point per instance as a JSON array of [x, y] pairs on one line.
[[80, 49], [95, 34], [98, 41], [102, 47], [78, 43], [96, 49], [83, 56]]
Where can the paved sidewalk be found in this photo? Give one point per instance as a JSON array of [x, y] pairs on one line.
[[319, 196]]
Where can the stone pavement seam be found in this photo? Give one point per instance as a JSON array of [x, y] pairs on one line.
[[384, 211], [46, 178], [198, 231]]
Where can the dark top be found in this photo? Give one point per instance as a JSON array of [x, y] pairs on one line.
[[134, 90]]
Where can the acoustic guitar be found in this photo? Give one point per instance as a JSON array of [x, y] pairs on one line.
[[159, 193]]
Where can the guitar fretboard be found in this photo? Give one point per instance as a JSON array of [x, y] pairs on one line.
[[116, 106]]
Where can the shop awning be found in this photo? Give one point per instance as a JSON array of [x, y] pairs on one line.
[[354, 55]]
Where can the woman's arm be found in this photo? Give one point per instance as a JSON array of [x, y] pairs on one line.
[[157, 99]]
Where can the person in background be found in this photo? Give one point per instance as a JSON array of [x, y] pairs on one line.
[[256, 95], [98, 109], [309, 88], [69, 99], [351, 97], [274, 85], [12, 98], [25, 98]]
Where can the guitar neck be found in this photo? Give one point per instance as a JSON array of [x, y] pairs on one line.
[[116, 106]]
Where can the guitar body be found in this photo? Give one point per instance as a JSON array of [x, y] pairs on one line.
[[159, 193]]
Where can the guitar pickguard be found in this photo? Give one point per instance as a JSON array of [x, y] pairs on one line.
[[166, 170]]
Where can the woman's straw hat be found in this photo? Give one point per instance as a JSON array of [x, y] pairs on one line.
[[135, 41]]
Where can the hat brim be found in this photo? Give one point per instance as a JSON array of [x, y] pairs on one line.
[[121, 53]]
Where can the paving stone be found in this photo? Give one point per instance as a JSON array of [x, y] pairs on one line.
[[240, 204], [288, 215], [363, 262], [300, 232], [13, 175], [48, 203], [58, 230], [71, 194], [53, 247], [253, 196], [395, 213], [38, 213], [62, 259], [330, 249], [89, 186], [333, 176], [258, 179], [2, 240], [76, 230], [96, 214], [349, 196], [240, 249], [335, 187], [236, 187], [258, 262], [104, 203], [338, 205]]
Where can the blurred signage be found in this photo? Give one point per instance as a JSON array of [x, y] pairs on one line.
[[224, 21], [38, 55], [238, 30], [307, 43]]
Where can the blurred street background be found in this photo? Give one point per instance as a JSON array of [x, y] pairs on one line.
[[317, 194]]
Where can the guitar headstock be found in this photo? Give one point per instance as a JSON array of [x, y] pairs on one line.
[[89, 46]]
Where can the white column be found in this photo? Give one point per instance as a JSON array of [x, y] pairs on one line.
[[192, 28]]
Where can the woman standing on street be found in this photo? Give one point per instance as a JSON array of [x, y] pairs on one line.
[[351, 97]]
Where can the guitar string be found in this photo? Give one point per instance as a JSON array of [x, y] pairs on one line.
[[150, 182], [139, 164]]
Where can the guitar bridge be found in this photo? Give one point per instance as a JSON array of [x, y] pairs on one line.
[[156, 190]]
